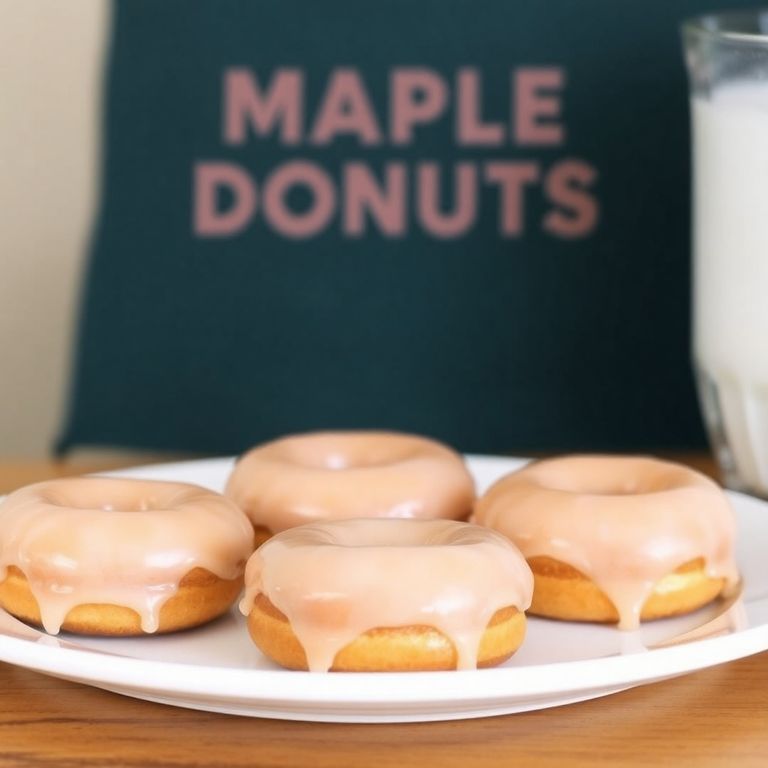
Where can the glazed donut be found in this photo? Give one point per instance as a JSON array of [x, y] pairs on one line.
[[387, 595], [338, 475], [106, 556], [615, 539]]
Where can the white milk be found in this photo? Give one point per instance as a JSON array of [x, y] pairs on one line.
[[731, 270]]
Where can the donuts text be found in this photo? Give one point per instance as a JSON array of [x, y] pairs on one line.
[[378, 187]]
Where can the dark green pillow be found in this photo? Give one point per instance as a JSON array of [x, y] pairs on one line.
[[462, 218]]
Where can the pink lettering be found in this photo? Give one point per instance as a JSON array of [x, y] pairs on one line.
[[567, 186], [511, 178], [209, 179], [531, 106], [418, 96], [245, 103], [464, 213], [364, 194], [306, 223], [346, 109], [470, 128]]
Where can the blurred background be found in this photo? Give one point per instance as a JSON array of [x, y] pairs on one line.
[[51, 71], [226, 221]]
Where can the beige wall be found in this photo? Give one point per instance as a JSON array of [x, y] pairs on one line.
[[51, 61]]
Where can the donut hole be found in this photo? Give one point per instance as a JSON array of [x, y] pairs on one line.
[[404, 533], [117, 495], [339, 452], [586, 475]]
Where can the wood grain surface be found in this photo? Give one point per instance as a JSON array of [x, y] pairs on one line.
[[717, 717]]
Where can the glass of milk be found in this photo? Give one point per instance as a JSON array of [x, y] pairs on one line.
[[727, 60]]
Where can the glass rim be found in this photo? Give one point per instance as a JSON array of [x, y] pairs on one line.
[[724, 26]]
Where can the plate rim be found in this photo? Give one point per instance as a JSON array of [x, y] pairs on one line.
[[228, 682], [270, 688]]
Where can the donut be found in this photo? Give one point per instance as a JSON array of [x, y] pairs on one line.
[[338, 475], [615, 538], [373, 595], [107, 556]]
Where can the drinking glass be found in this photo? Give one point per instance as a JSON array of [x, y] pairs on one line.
[[727, 61]]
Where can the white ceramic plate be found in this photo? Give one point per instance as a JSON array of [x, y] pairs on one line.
[[217, 668]]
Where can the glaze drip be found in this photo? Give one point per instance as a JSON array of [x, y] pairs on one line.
[[117, 541], [624, 522], [335, 581]]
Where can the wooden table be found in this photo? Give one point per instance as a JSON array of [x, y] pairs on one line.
[[718, 717]]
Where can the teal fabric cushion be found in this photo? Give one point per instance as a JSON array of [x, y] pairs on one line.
[[466, 219]]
